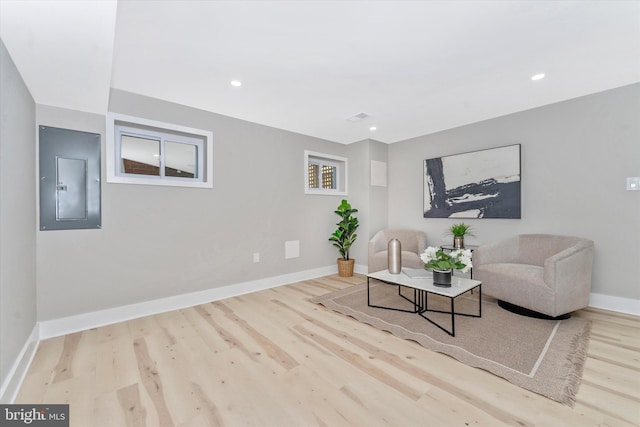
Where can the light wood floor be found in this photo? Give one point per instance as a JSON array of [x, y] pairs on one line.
[[272, 358]]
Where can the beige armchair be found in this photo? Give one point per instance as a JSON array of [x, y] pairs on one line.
[[543, 273], [413, 244]]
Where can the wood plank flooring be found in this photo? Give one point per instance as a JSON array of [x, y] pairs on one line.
[[272, 358]]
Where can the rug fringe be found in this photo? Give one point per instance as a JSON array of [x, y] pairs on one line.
[[576, 359]]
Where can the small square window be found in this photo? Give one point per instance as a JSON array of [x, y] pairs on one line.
[[325, 174]]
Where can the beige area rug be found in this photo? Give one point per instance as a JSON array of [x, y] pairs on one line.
[[543, 356]]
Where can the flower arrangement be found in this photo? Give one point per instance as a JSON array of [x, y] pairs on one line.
[[435, 258]]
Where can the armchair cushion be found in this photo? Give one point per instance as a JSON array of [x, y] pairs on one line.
[[413, 243]]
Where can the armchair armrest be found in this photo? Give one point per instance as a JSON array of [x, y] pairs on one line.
[[422, 243], [378, 243], [571, 266]]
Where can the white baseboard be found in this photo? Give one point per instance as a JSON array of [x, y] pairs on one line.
[[81, 322], [12, 383], [360, 269], [619, 304]]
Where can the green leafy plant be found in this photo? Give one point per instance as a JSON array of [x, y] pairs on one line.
[[461, 230], [345, 235], [437, 259]]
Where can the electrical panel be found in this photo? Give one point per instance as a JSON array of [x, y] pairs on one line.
[[69, 179]]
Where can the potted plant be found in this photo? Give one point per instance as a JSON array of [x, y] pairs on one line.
[[443, 263], [459, 231], [344, 237]]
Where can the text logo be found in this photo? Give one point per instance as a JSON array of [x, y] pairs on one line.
[[34, 415]]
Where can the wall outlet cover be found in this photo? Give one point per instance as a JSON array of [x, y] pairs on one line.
[[378, 173], [292, 249]]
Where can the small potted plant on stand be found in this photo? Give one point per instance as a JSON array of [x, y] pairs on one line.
[[459, 231], [443, 263], [344, 237]]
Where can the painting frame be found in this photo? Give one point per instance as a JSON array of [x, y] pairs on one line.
[[476, 184]]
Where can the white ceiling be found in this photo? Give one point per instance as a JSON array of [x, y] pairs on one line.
[[415, 67]]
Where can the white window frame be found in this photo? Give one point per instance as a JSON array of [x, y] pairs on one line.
[[341, 164], [120, 124]]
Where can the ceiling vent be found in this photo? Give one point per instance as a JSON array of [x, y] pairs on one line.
[[358, 117]]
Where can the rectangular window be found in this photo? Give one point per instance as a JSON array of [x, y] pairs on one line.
[[141, 151], [325, 174]]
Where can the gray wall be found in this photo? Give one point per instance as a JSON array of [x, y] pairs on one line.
[[17, 213], [371, 201], [358, 154], [163, 241], [576, 156], [378, 196]]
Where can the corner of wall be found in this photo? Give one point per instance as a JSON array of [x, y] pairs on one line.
[[13, 381]]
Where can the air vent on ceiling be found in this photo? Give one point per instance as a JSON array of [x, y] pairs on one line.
[[358, 117]]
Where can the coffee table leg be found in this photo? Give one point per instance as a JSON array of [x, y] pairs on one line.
[[453, 313], [453, 319], [415, 305]]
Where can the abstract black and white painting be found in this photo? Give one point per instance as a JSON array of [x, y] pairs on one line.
[[479, 184]]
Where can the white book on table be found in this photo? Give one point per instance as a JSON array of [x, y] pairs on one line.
[[417, 273]]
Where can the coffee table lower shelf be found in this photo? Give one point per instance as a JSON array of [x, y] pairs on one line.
[[421, 303]]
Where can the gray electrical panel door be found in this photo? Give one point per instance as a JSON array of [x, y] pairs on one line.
[[69, 179]]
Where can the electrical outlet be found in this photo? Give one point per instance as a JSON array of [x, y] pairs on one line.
[[256, 257], [633, 183]]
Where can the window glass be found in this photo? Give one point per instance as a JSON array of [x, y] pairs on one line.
[[180, 160], [328, 177], [140, 156], [314, 182]]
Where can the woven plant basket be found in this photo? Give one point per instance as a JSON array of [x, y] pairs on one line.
[[345, 267]]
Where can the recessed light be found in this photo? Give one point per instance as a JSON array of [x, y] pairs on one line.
[[373, 128], [236, 83], [539, 76]]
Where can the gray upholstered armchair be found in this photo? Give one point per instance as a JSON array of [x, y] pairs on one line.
[[539, 272], [413, 244]]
